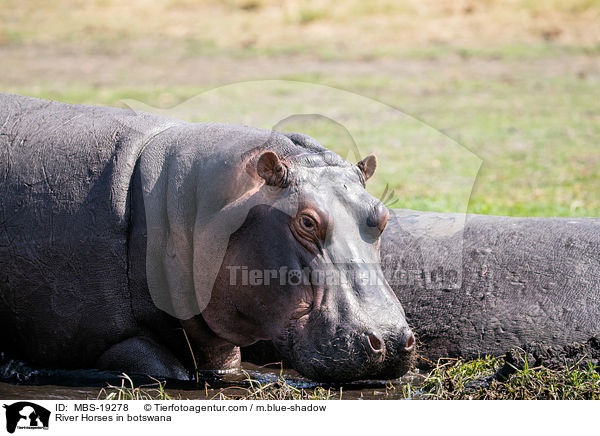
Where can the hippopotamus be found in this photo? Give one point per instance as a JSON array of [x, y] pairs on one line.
[[145, 244], [475, 285]]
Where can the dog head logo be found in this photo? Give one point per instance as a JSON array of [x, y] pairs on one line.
[[26, 415]]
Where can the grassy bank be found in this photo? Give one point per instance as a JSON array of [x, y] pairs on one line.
[[451, 379], [459, 380], [273, 27], [533, 124]]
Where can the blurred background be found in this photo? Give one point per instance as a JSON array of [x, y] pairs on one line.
[[514, 82]]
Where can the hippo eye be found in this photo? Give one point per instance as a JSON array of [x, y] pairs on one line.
[[308, 223], [309, 230]]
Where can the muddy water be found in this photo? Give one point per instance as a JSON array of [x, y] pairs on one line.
[[19, 381]]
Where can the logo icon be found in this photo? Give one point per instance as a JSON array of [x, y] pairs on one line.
[[26, 415]]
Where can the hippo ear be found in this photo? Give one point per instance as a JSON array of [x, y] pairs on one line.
[[368, 165], [271, 169]]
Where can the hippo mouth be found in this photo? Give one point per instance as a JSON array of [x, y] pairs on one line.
[[348, 356], [359, 361]]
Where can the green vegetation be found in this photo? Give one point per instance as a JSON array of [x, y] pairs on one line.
[[537, 136], [354, 28], [515, 84], [453, 380], [249, 389], [277, 390], [128, 391], [450, 379]]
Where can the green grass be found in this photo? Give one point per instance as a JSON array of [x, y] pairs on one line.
[[128, 391], [277, 390], [535, 138], [250, 389], [354, 27], [503, 96], [450, 379]]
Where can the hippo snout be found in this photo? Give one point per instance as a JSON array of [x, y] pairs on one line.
[[376, 344], [372, 353], [393, 350]]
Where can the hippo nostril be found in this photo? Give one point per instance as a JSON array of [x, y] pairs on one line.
[[375, 343], [410, 343]]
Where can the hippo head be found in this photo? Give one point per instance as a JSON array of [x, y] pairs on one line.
[[308, 277]]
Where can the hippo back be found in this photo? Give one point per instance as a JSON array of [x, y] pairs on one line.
[[65, 174], [491, 283]]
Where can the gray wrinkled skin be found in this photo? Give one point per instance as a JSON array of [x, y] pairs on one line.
[[522, 280], [475, 285], [118, 231]]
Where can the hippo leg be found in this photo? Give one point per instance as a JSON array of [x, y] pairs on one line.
[[142, 355], [210, 351], [224, 357]]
